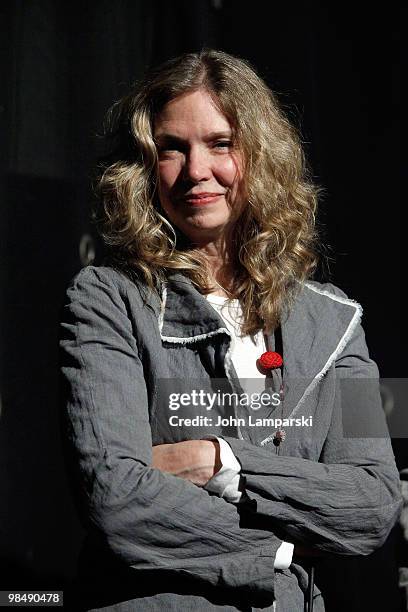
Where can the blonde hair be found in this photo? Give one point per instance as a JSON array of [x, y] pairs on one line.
[[275, 234]]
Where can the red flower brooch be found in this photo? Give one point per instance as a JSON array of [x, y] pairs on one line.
[[270, 360]]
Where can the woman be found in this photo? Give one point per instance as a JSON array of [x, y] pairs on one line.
[[206, 203]]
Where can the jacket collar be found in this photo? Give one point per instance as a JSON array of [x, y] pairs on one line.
[[186, 316], [314, 332]]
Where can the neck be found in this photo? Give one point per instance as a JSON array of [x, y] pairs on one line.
[[222, 276], [221, 264]]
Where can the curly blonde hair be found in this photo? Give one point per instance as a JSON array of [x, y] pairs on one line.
[[275, 237]]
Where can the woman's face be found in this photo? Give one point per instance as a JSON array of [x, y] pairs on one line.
[[199, 171]]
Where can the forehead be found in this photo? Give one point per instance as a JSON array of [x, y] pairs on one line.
[[193, 113]]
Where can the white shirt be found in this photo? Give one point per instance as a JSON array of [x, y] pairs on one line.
[[245, 351]]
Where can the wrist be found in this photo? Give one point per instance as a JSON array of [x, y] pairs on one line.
[[217, 461], [211, 457]]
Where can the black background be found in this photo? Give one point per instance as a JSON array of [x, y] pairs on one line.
[[337, 70]]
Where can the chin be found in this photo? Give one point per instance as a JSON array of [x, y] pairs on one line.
[[205, 222]]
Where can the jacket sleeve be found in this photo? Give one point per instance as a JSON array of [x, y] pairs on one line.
[[148, 519], [347, 502]]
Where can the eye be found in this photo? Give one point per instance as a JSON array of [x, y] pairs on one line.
[[165, 153], [170, 147], [223, 145]]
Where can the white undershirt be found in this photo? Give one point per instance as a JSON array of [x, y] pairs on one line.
[[245, 351]]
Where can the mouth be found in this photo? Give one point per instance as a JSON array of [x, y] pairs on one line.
[[201, 199]]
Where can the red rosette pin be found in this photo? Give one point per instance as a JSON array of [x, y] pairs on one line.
[[270, 360]]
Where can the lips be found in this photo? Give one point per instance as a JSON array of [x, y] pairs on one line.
[[199, 199]]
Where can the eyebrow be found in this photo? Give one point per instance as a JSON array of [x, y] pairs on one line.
[[208, 138]]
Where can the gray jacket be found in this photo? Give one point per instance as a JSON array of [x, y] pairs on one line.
[[159, 542]]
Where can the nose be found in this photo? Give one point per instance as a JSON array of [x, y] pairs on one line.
[[197, 167]]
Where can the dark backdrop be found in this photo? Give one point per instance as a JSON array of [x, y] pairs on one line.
[[337, 71]]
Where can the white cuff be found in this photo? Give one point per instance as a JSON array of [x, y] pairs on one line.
[[283, 556], [225, 483]]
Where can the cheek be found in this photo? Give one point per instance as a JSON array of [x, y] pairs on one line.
[[168, 173], [228, 171]]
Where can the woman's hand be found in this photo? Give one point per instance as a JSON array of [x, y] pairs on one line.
[[194, 460]]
